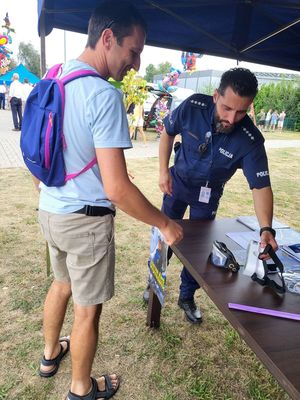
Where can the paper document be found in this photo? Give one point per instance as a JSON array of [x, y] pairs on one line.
[[293, 250], [287, 237], [284, 237], [289, 262], [243, 238], [251, 222]]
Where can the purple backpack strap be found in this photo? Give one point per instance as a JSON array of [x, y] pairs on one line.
[[53, 74], [78, 74], [54, 71], [70, 77], [66, 79], [86, 168]]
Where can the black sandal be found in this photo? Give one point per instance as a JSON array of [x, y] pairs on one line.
[[55, 361], [95, 394]]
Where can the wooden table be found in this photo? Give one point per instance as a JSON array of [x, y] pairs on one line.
[[275, 341]]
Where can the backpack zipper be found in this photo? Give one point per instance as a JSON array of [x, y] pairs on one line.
[[47, 140]]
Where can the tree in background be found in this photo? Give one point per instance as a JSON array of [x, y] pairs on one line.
[[13, 64], [162, 68], [281, 96], [30, 58], [134, 88]]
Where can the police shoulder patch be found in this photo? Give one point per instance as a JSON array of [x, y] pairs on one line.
[[199, 101], [247, 132], [250, 131]]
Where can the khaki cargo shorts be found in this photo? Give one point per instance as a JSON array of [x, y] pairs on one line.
[[82, 252]]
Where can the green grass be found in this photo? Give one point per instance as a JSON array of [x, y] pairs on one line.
[[179, 361], [284, 135]]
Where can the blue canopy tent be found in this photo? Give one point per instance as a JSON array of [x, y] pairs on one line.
[[23, 73], [259, 31]]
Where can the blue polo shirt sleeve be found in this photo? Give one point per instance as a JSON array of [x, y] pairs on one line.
[[107, 120], [255, 168]]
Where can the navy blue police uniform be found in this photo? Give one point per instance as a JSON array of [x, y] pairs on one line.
[[207, 159]]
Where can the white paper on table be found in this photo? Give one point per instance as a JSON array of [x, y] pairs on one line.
[[284, 237], [251, 222], [243, 238]]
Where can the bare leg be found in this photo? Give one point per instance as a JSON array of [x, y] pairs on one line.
[[141, 131], [131, 131], [84, 340], [54, 313]]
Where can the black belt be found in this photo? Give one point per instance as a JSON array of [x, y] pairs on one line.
[[94, 211]]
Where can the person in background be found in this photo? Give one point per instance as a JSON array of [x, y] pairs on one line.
[[261, 119], [27, 88], [281, 118], [268, 119], [274, 119], [15, 99], [77, 219], [137, 122], [2, 95], [218, 137]]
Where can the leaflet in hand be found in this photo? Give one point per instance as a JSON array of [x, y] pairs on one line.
[[158, 264]]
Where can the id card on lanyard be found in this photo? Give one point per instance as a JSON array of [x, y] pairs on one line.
[[205, 193]]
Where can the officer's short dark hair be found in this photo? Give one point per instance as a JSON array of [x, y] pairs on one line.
[[241, 80], [119, 16]]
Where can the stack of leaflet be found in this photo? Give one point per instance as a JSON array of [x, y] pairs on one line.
[[292, 272], [293, 250]]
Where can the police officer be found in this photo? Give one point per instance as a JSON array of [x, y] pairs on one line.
[[218, 137]]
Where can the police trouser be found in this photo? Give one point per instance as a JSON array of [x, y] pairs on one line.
[[184, 195], [2, 101], [16, 109]]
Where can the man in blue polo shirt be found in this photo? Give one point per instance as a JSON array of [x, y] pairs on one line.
[[218, 137]]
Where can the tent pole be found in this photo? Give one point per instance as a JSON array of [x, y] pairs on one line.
[[43, 43], [270, 35]]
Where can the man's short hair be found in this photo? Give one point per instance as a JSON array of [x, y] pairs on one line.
[[241, 80], [119, 16], [15, 76], [26, 80]]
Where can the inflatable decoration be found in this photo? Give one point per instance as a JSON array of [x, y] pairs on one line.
[[168, 84], [161, 111], [188, 60], [4, 63], [5, 39], [7, 24]]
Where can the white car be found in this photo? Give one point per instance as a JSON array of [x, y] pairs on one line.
[[175, 98], [179, 96]]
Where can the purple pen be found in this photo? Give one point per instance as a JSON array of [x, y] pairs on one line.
[[265, 311]]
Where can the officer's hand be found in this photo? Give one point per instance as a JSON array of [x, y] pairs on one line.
[[267, 238], [165, 182], [172, 232]]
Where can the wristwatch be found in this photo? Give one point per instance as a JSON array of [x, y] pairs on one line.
[[267, 229]]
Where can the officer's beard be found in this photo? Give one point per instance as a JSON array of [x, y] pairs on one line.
[[219, 125]]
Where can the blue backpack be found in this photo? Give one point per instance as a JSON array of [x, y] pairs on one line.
[[42, 138]]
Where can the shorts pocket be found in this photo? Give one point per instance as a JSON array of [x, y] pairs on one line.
[[79, 249]]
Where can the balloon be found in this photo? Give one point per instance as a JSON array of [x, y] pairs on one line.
[[188, 60], [168, 84], [3, 40]]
